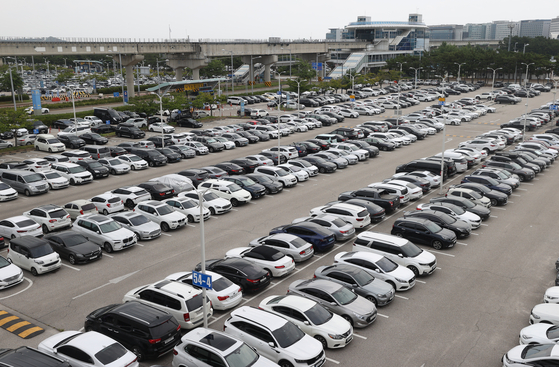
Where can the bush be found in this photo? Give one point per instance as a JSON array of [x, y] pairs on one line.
[[111, 90], [25, 97]]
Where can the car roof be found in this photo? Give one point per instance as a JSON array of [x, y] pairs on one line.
[[28, 357], [220, 342], [369, 235], [259, 316]]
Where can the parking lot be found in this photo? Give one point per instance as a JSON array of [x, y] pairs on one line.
[[468, 313]]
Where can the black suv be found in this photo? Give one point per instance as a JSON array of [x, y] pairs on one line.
[[129, 130], [145, 330], [71, 141], [195, 175], [94, 167], [25, 357], [153, 157]]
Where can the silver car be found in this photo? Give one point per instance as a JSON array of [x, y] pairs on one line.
[[290, 245], [144, 228], [364, 284], [115, 165], [358, 311], [340, 162], [339, 227]]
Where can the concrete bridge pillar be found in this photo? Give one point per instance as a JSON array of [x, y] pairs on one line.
[[179, 71], [320, 58], [266, 60], [195, 64], [128, 61]]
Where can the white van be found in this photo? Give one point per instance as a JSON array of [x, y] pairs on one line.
[[397, 249]]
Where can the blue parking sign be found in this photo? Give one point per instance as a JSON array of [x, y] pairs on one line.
[[201, 280]]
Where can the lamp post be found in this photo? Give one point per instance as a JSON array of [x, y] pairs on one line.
[[121, 77], [232, 71], [527, 66], [399, 77], [298, 94], [252, 69], [289, 49], [278, 123], [525, 116], [524, 49], [492, 84], [203, 251], [416, 70], [352, 77], [459, 66]]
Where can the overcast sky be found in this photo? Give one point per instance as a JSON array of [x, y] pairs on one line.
[[221, 19]]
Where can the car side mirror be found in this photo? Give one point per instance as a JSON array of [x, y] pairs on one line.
[[333, 304], [400, 255], [378, 271], [306, 322], [272, 344]]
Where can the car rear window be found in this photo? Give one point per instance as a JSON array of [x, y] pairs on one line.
[[164, 328], [195, 302], [114, 200], [88, 207], [363, 213], [25, 223], [59, 213], [111, 353]]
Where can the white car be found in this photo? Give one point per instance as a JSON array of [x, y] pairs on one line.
[[469, 194], [19, 226], [288, 152], [454, 211], [399, 277], [55, 180], [434, 180], [489, 145], [37, 164], [415, 191], [105, 232], [94, 120], [287, 179], [361, 154], [547, 313], [402, 192], [332, 330], [474, 151], [75, 155], [551, 295], [356, 215], [214, 203], [271, 260], [161, 127], [161, 214], [48, 144], [188, 207], [228, 144], [142, 227], [7, 193], [130, 195], [301, 174], [224, 294], [532, 355], [260, 159], [89, 349], [224, 351], [350, 158], [132, 160], [308, 167], [115, 165], [293, 246], [10, 274], [31, 111], [75, 173], [108, 203], [51, 217], [539, 334], [227, 190], [290, 344]]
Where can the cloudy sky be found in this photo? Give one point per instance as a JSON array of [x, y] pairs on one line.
[[221, 19]]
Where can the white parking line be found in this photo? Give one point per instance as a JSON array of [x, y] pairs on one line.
[[441, 253], [166, 234], [483, 224], [494, 216], [421, 281], [105, 254], [462, 243], [511, 202], [71, 267], [332, 360], [139, 244], [314, 179], [286, 190], [500, 208], [474, 234], [190, 225], [526, 183], [439, 268], [522, 189], [235, 210], [385, 316], [515, 195], [402, 297], [360, 336]]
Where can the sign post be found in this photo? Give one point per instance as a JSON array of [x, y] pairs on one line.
[[201, 280], [442, 102]]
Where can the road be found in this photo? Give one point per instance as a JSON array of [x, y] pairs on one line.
[[468, 313]]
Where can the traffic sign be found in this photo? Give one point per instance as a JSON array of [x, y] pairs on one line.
[[553, 107], [442, 99], [201, 280], [116, 94], [441, 103], [35, 131], [279, 93]]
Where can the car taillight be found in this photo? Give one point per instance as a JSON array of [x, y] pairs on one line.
[[161, 193], [252, 280], [401, 197], [360, 219], [391, 202], [52, 220], [302, 252], [222, 298], [280, 267], [21, 231], [108, 205], [154, 341], [175, 352], [178, 328], [186, 316]]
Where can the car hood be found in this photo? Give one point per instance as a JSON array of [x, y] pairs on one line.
[[535, 331], [425, 257], [401, 272], [9, 271], [119, 234], [306, 348], [85, 248], [148, 227], [378, 286], [547, 311], [361, 305]]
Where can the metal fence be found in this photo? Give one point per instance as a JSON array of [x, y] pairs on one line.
[[162, 40]]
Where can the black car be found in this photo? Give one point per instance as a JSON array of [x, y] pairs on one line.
[[94, 167], [310, 147], [459, 227], [116, 151], [322, 164], [256, 190], [252, 139], [488, 182], [129, 131], [321, 238], [40, 127], [156, 140], [261, 135], [505, 99], [361, 144], [25, 356], [323, 144], [247, 164], [271, 184], [497, 198], [195, 175], [154, 119], [236, 138], [157, 190], [338, 118], [249, 276], [103, 129], [62, 124], [94, 139], [215, 172], [524, 174], [376, 212], [189, 122], [6, 135], [423, 231], [465, 204], [171, 155], [381, 144], [231, 168], [183, 151], [71, 141], [145, 330], [74, 247], [274, 157]]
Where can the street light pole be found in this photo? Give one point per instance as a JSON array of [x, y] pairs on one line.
[[459, 65], [527, 66], [232, 71], [525, 116], [415, 70], [492, 84], [399, 80], [252, 69], [203, 251], [524, 50]]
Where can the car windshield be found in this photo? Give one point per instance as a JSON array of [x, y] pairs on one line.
[[187, 204], [4, 262], [363, 278], [515, 165], [33, 178], [109, 227], [264, 179], [242, 356], [288, 334], [209, 196], [435, 228], [164, 210], [318, 314], [95, 165], [304, 163], [139, 220], [551, 333], [386, 265], [533, 351], [134, 158], [410, 250], [40, 251], [77, 169], [247, 181], [52, 175], [234, 187], [114, 162], [344, 296], [4, 186], [294, 169]]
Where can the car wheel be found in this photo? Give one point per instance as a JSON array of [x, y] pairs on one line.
[[414, 269], [138, 352], [36, 148], [348, 319], [521, 178], [72, 259], [107, 247], [150, 164], [234, 202], [34, 272], [133, 168], [437, 245], [150, 129], [164, 227], [392, 284], [50, 150], [384, 148], [372, 299], [211, 149], [27, 193], [398, 234], [105, 212], [212, 211], [113, 172], [494, 202], [321, 170], [28, 143], [129, 204], [45, 229], [322, 341], [190, 219]]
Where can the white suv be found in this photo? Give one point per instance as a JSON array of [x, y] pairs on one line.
[[131, 195], [227, 190], [397, 249], [274, 337], [105, 232], [356, 215], [181, 300], [107, 203], [50, 217], [287, 179], [162, 214], [288, 152], [214, 203], [73, 172]]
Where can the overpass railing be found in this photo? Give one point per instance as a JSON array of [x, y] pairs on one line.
[[162, 40]]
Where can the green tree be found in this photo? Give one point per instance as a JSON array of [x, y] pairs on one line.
[[5, 83], [64, 76], [215, 67], [13, 119], [303, 70], [148, 106], [299, 85]]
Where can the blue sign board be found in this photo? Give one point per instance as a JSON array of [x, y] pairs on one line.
[[125, 96], [242, 107], [327, 78], [201, 280], [108, 122], [35, 131], [279, 93], [116, 94], [42, 84], [553, 107], [441, 103], [317, 66], [36, 99]]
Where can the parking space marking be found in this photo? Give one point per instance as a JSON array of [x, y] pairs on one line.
[[71, 267], [190, 225], [286, 190], [420, 281], [462, 243], [139, 244], [511, 202], [385, 316], [438, 268], [483, 224], [23, 290], [402, 297], [360, 336], [331, 360], [526, 183], [442, 253], [500, 208], [522, 189], [474, 234], [494, 216], [111, 256], [166, 234], [235, 210], [514, 195]]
